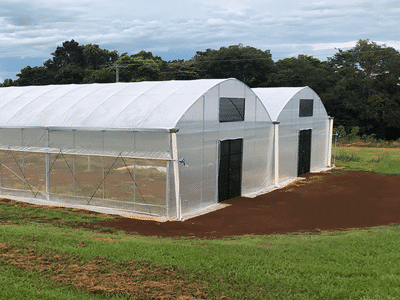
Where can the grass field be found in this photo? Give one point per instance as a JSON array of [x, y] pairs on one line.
[[43, 255], [380, 160]]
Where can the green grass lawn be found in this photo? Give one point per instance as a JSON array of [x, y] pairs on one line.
[[358, 264], [361, 264], [380, 160]]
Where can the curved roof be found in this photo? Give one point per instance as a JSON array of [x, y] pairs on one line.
[[133, 105], [275, 99]]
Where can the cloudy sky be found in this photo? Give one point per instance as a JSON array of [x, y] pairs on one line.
[[31, 29]]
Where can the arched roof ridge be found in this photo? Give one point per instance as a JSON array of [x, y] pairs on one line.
[[275, 99], [130, 103], [33, 99], [47, 92], [213, 83], [157, 115]]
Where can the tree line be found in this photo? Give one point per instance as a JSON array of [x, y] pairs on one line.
[[359, 87]]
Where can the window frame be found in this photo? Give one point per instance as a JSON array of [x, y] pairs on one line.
[[240, 111], [306, 110]]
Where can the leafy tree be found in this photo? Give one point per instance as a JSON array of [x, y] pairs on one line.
[[69, 53], [71, 73], [97, 58], [147, 55], [7, 82], [367, 93], [34, 76], [248, 64], [304, 71], [72, 63], [179, 70], [137, 68], [104, 75]]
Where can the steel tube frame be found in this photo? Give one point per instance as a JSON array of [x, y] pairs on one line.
[[176, 174], [48, 167], [329, 152], [276, 153]]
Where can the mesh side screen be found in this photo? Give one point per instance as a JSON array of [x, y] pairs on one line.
[[11, 175], [151, 178], [137, 185], [35, 172], [88, 176], [61, 174], [118, 180]]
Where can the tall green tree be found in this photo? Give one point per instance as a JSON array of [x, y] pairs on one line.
[[69, 53], [96, 58], [71, 73], [7, 82], [304, 70], [250, 65], [34, 76], [367, 92], [138, 68], [179, 70], [72, 63], [104, 75]]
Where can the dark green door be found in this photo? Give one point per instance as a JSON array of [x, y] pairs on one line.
[[230, 169], [304, 152]]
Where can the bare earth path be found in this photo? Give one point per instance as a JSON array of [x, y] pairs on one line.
[[326, 201]]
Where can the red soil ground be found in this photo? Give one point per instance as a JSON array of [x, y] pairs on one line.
[[335, 200]]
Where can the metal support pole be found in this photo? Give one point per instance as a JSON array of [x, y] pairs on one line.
[[23, 160], [48, 167], [330, 132], [116, 73], [102, 170], [73, 158], [276, 153], [134, 170], [176, 174], [134, 179]]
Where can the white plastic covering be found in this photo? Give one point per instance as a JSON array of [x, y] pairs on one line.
[[93, 119], [135, 105], [82, 130], [200, 133], [283, 106]]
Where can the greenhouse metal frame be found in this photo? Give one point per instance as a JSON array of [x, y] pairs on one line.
[[303, 128], [145, 147]]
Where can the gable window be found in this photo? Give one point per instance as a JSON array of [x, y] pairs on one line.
[[231, 109], [306, 108]]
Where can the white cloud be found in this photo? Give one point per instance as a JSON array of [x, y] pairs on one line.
[[33, 28]]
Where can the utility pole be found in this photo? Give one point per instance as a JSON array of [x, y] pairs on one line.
[[117, 73]]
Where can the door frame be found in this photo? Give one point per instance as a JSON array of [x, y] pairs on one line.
[[299, 157], [219, 166]]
